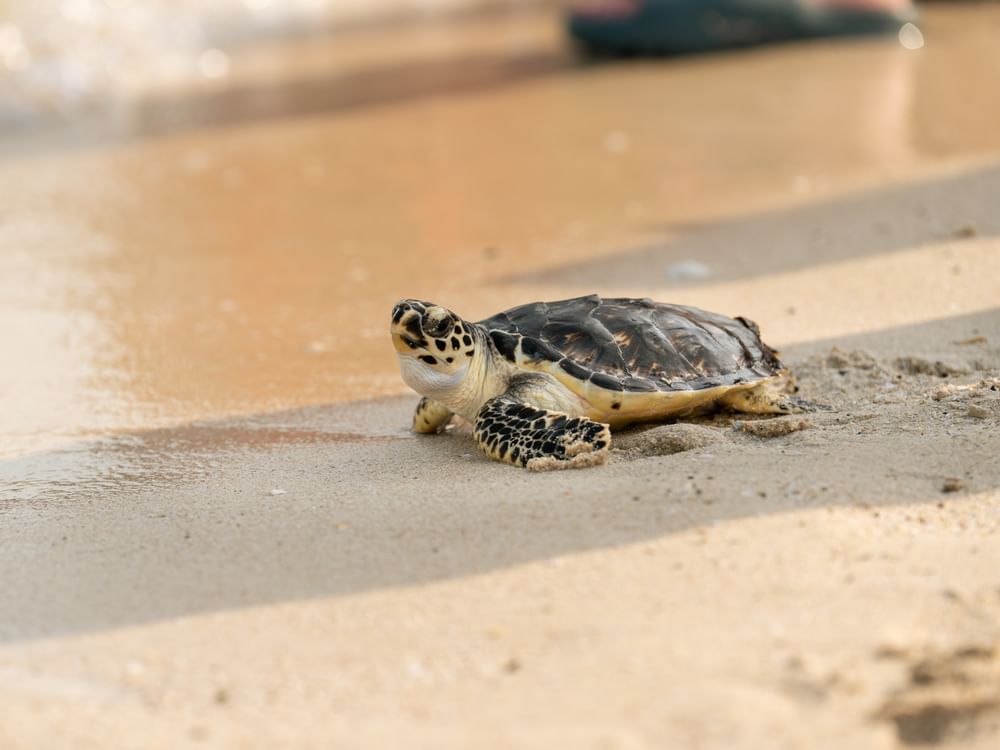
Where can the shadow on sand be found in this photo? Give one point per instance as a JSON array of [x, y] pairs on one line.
[[858, 225], [186, 521]]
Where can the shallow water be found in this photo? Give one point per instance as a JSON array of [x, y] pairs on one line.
[[202, 249]]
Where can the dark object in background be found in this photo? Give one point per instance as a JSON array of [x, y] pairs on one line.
[[683, 26]]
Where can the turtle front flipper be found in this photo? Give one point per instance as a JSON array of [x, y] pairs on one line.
[[430, 416], [517, 433]]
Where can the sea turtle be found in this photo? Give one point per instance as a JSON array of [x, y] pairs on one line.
[[543, 383]]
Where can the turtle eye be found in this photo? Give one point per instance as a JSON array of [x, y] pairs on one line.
[[410, 342], [438, 327]]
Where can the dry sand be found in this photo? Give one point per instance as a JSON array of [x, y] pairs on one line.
[[200, 549]]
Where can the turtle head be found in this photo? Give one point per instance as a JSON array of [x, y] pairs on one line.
[[434, 345]]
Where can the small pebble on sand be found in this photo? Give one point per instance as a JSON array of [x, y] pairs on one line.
[[952, 484], [276, 492]]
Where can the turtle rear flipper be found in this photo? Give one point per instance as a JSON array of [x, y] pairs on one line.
[[768, 398], [430, 416], [517, 433]]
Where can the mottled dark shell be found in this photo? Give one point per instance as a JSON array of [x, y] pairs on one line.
[[633, 345]]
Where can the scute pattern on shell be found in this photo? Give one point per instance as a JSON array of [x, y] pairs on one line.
[[634, 345]]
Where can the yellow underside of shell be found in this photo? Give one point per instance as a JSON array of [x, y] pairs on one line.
[[619, 408]]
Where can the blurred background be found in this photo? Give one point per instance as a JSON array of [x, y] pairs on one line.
[[208, 207]]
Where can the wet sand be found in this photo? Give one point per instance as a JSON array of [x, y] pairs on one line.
[[219, 532]]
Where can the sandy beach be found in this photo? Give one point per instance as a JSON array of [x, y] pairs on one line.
[[216, 529]]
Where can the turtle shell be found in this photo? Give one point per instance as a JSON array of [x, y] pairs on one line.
[[632, 345]]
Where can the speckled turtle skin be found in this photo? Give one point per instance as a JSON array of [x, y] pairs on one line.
[[542, 383]]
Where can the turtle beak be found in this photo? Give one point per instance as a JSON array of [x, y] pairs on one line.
[[407, 334]]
